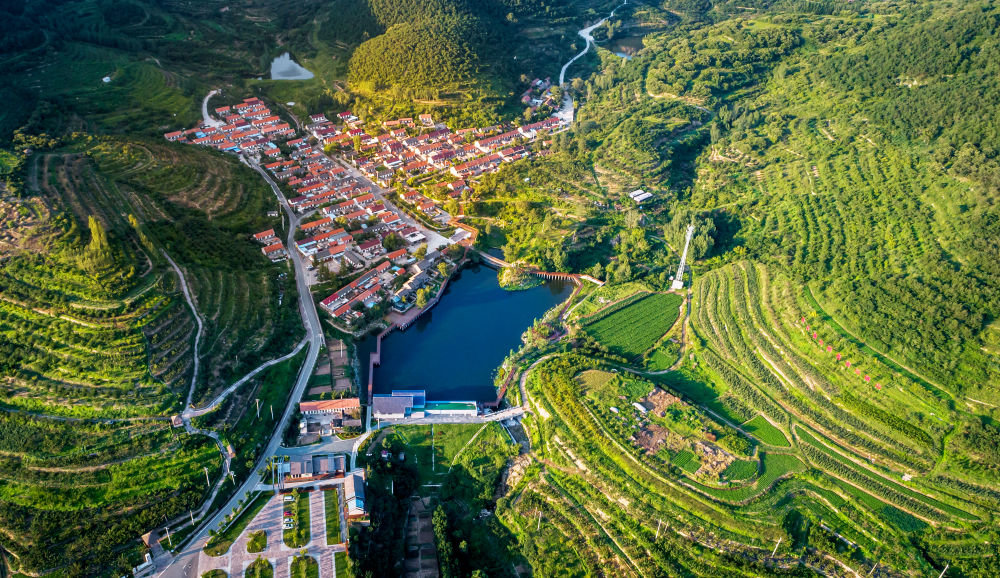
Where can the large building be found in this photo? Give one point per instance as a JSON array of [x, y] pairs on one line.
[[327, 417], [413, 404], [312, 467]]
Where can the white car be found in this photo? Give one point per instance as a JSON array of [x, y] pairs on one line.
[[289, 498], [288, 525]]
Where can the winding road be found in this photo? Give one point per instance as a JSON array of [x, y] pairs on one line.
[[565, 113], [208, 120], [197, 318]]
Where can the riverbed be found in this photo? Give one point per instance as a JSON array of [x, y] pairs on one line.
[[453, 350]]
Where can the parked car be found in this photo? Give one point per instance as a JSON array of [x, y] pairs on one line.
[[289, 498], [288, 525]]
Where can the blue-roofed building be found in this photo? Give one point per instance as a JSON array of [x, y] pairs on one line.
[[354, 494]]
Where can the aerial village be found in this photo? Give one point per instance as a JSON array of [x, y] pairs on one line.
[[336, 174]]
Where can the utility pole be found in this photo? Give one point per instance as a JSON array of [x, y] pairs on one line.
[[658, 523], [232, 477], [272, 412], [873, 569], [539, 526], [207, 480], [191, 513], [943, 571], [776, 548], [258, 407], [432, 449], [169, 541]]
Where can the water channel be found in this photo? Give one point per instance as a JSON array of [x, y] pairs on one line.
[[452, 350], [284, 68]]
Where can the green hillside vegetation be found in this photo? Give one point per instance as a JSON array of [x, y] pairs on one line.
[[838, 189], [95, 327], [632, 327]]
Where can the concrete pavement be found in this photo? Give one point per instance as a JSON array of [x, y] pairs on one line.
[[276, 552]]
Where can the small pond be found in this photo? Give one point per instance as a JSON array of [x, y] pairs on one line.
[[284, 68]]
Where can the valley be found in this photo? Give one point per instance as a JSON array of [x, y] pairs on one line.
[[502, 288]]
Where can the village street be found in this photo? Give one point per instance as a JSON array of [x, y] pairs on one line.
[[434, 239]]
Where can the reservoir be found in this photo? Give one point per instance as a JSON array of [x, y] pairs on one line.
[[453, 350], [284, 68]]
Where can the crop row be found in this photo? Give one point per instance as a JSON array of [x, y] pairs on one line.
[[888, 489], [635, 328]]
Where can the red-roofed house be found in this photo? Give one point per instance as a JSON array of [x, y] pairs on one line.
[[267, 236]]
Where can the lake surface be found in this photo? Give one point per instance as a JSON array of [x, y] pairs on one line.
[[284, 68], [452, 350]]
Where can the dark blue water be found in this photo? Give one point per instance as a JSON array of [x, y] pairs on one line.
[[453, 350]]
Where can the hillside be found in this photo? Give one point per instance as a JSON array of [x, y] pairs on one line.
[[821, 398], [98, 342], [843, 301]]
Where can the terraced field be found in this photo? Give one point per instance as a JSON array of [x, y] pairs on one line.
[[850, 464]]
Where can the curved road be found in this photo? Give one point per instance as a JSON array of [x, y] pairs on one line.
[[185, 563], [191, 412], [197, 318], [208, 120]]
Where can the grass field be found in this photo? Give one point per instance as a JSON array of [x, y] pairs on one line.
[[686, 461], [304, 567], [740, 470], [340, 563], [773, 466], [259, 568], [257, 542], [448, 440], [299, 535], [632, 329], [765, 432]]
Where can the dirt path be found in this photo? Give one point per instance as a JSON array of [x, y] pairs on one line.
[[197, 318]]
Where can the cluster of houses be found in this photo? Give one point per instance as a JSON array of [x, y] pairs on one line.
[[378, 284], [409, 148], [273, 248], [320, 467], [538, 94], [248, 126]]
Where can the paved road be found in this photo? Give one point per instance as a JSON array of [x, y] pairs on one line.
[[269, 520], [434, 240], [186, 564], [565, 112]]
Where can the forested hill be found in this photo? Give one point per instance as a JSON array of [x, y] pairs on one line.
[[449, 50]]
